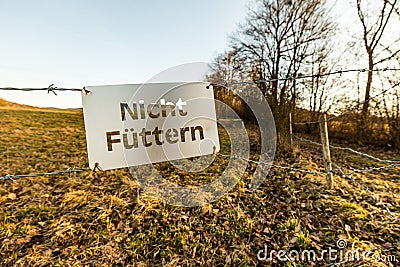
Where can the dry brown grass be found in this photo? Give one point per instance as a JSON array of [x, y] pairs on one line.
[[104, 219]]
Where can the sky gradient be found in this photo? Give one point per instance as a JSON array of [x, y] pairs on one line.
[[96, 42], [77, 43]]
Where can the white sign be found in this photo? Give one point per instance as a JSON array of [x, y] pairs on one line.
[[135, 124]]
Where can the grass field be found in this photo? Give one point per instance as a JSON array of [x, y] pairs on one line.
[[105, 219]]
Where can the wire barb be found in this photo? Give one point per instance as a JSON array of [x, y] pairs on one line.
[[86, 91], [97, 167], [51, 88]]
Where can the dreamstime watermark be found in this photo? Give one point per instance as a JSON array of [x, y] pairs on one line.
[[335, 256]]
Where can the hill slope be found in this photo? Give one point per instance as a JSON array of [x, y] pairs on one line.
[[8, 104]]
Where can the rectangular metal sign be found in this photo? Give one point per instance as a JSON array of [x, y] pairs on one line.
[[135, 124]]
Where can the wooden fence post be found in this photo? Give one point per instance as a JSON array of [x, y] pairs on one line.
[[291, 130], [325, 148]]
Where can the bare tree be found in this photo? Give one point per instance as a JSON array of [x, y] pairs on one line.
[[374, 27], [227, 67], [392, 112], [318, 95], [276, 41]]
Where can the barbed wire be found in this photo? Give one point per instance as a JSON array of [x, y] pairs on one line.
[[305, 122], [340, 72], [53, 89], [374, 169], [270, 164], [393, 162], [348, 176], [67, 171], [393, 247], [373, 98], [298, 77], [50, 88], [336, 170], [364, 187], [73, 170], [364, 154]]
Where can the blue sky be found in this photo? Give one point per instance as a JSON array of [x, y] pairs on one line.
[[75, 43]]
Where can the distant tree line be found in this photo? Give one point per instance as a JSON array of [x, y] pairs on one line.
[[284, 39]]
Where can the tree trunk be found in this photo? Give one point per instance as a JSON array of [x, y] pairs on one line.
[[369, 84]]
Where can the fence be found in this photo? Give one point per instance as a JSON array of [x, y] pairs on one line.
[[322, 122], [331, 170]]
